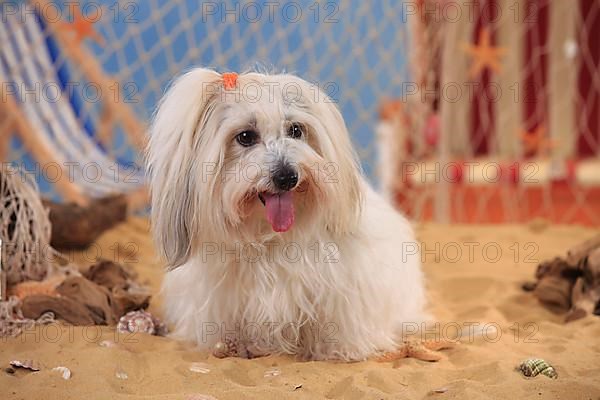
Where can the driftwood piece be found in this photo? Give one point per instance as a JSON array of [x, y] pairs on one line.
[[66, 309], [96, 298], [555, 280], [104, 295], [571, 285], [76, 227], [555, 292], [124, 301], [592, 268], [586, 291], [577, 253], [108, 274]]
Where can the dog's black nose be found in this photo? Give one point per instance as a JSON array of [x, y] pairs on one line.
[[285, 178]]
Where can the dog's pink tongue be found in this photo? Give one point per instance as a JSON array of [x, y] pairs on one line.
[[280, 210]]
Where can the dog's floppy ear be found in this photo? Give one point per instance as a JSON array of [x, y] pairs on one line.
[[342, 172], [170, 155]]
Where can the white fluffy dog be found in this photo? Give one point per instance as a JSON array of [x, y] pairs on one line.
[[272, 236]]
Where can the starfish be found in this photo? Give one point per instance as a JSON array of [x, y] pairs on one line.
[[484, 54], [536, 141], [83, 28], [424, 350], [29, 288]]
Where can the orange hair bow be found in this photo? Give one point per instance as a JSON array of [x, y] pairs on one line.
[[230, 80]]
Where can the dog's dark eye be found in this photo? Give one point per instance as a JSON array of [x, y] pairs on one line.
[[295, 131], [247, 138]]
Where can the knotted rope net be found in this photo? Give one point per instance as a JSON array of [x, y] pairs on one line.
[[24, 228]]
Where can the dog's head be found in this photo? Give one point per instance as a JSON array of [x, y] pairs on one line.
[[248, 157]]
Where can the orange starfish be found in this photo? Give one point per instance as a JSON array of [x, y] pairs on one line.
[[424, 350], [29, 288], [83, 27], [536, 141], [484, 54]]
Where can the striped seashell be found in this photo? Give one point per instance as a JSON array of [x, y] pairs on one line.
[[136, 321], [535, 366], [141, 321]]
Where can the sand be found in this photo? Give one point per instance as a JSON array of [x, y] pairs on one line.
[[479, 287]]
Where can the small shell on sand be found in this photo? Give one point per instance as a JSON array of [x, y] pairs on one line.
[[200, 397], [535, 366], [222, 350], [66, 372], [136, 321], [31, 365], [141, 321], [107, 343], [271, 373], [199, 367], [120, 374]]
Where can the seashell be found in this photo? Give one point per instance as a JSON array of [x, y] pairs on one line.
[[160, 328], [66, 372], [221, 350], [136, 321], [107, 343], [141, 321], [31, 365], [535, 366], [200, 367], [227, 348], [120, 374], [271, 373], [200, 397]]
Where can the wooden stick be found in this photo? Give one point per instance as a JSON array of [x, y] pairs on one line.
[[93, 71], [6, 130], [104, 131], [42, 154], [576, 253]]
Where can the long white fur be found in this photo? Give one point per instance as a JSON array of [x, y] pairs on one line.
[[338, 285]]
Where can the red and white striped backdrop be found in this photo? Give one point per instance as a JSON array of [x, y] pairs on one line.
[[542, 73]]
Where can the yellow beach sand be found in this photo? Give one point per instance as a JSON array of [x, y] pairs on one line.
[[473, 275]]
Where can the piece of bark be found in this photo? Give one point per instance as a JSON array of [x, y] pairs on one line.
[[124, 302], [108, 274], [555, 292], [580, 304], [577, 253], [574, 314], [591, 269], [69, 310], [557, 267], [97, 299], [76, 227], [586, 290]]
